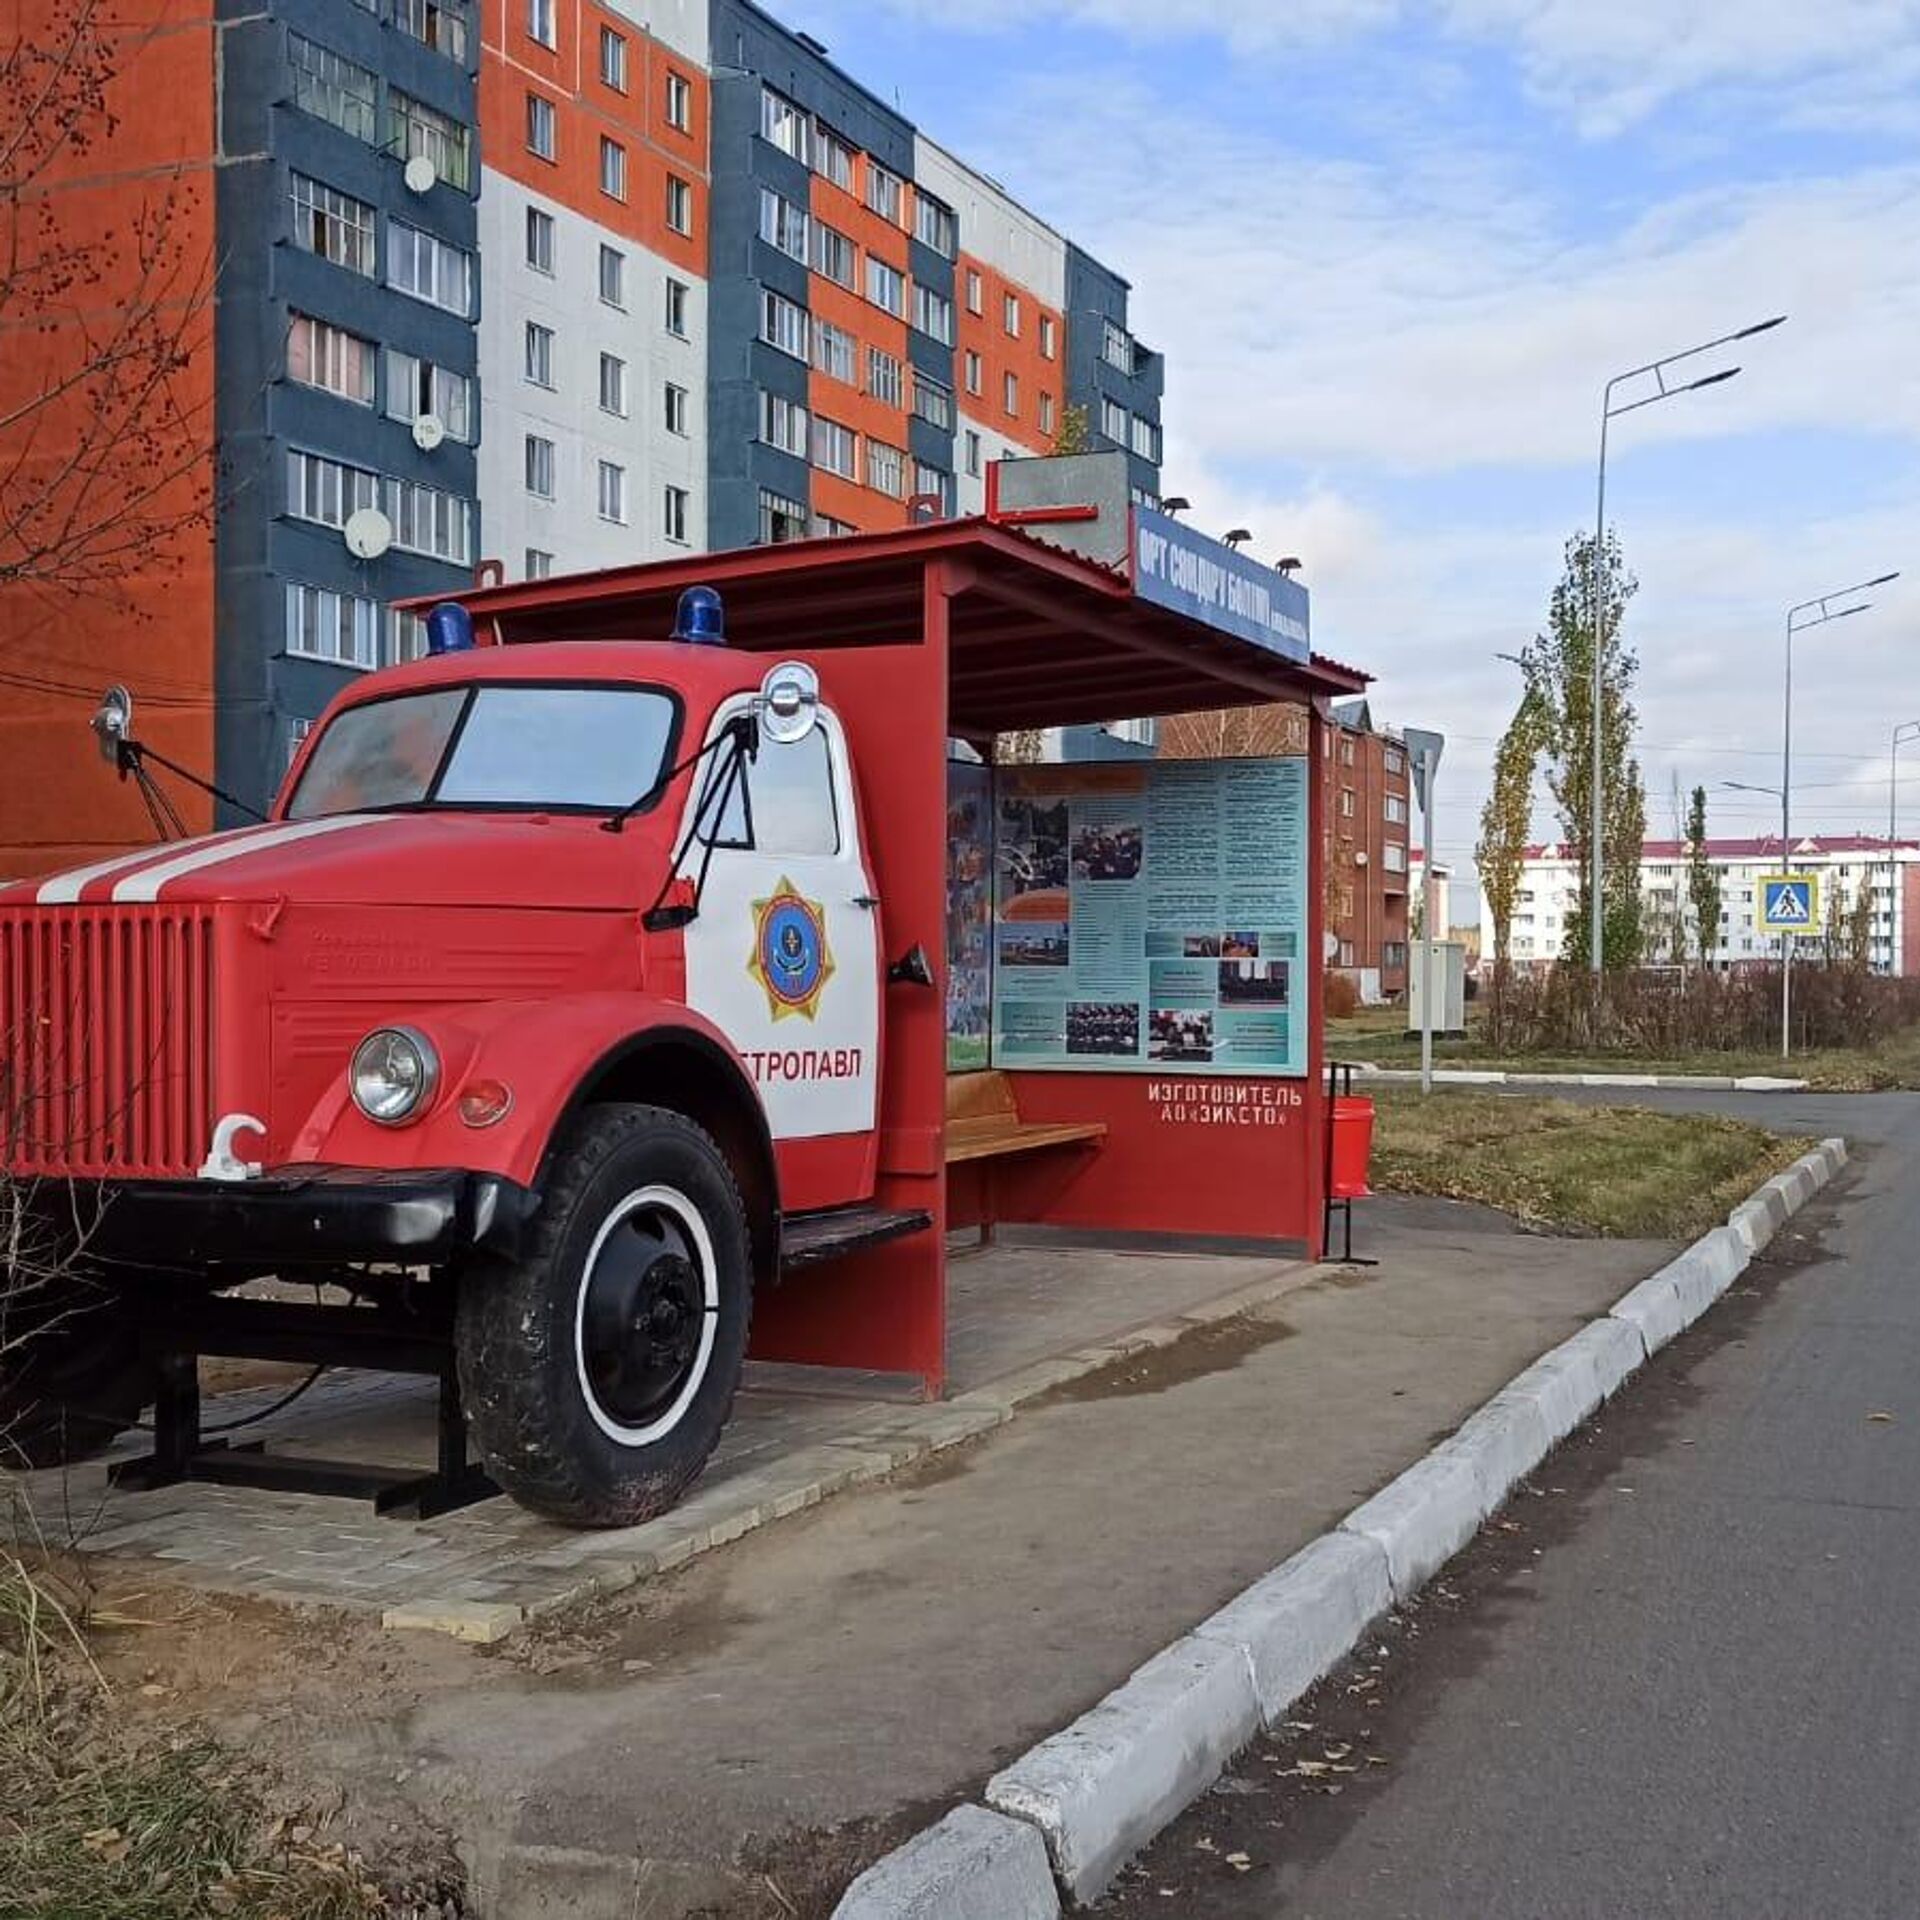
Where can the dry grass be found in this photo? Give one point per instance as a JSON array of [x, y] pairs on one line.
[[1612, 1171]]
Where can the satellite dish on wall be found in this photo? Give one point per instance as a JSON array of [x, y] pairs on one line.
[[368, 533], [420, 174], [428, 431]]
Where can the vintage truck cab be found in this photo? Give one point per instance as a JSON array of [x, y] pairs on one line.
[[551, 991]]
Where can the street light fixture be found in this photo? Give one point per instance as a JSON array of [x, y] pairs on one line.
[[1905, 731], [1818, 612], [1608, 413]]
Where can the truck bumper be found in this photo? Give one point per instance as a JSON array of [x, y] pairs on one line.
[[303, 1216]]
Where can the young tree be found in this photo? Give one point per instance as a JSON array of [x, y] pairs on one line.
[[104, 445], [1505, 821], [1859, 935], [1076, 430], [1703, 879], [1559, 668]]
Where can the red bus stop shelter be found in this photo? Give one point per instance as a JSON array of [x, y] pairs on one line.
[[971, 629]]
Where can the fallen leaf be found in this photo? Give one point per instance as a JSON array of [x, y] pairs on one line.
[[1880, 1417], [1240, 1862]]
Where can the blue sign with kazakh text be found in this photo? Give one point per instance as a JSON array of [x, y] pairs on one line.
[[1184, 570]]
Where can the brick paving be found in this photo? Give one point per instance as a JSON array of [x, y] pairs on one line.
[[1020, 1319]]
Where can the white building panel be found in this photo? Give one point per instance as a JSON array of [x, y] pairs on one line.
[[650, 454], [994, 443], [993, 226], [682, 25]]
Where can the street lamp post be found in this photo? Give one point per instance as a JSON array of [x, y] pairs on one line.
[[1905, 731], [1609, 413], [1818, 611]]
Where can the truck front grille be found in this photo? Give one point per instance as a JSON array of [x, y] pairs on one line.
[[106, 1040]]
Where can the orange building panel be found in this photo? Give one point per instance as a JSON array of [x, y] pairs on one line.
[[1002, 353]]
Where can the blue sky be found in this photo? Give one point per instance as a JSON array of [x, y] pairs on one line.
[[1394, 249]]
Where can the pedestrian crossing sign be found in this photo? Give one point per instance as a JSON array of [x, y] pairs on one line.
[[1790, 903]]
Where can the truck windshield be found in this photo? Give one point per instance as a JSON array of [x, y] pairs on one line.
[[490, 746]]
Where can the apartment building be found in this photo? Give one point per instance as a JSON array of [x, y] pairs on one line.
[[1548, 897], [548, 285]]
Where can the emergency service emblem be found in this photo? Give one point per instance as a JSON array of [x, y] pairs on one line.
[[790, 957]]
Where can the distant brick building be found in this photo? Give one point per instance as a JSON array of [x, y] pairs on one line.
[[1368, 808]]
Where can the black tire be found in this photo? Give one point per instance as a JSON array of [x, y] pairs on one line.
[[578, 1412], [71, 1373]]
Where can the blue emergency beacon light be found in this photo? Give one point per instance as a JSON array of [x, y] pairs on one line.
[[701, 619], [449, 628]]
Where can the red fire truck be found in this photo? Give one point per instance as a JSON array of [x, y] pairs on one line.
[[571, 994]]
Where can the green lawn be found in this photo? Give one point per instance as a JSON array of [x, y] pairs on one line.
[[1569, 1168]]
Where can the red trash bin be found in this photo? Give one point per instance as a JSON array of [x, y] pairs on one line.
[[1352, 1147]]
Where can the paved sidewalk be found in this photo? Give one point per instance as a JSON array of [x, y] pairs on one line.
[[805, 1698]]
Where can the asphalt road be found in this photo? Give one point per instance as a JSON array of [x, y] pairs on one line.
[[1681, 1675]]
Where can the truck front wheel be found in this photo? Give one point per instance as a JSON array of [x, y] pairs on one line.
[[598, 1370]]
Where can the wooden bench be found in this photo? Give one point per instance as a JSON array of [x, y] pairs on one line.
[[983, 1122]]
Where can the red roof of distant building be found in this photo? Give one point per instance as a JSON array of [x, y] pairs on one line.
[[1765, 846]]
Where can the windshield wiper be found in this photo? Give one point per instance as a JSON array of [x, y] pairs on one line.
[[742, 729], [742, 732]]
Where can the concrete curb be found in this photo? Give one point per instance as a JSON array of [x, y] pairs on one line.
[[1503, 1077], [973, 1865], [1101, 1788]]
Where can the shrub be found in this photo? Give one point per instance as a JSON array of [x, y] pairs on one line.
[[1342, 996]]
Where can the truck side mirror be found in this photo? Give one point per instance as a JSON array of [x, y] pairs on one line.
[[788, 706], [112, 724]]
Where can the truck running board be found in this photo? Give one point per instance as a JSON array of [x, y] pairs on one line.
[[810, 1239]]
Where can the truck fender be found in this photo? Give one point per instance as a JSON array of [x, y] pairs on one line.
[[556, 1057]]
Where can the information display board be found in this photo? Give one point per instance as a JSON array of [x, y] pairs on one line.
[[1151, 915], [969, 914]]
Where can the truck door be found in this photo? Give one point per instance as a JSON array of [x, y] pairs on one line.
[[784, 955]]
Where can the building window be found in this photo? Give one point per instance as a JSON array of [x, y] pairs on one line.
[[1049, 342], [679, 102], [444, 25], [613, 60], [1045, 413], [1114, 421], [834, 255], [781, 519], [541, 24], [933, 224], [783, 423], [613, 385], [782, 224], [539, 564], [1393, 857], [1010, 314], [332, 224], [975, 373], [1116, 346], [972, 451], [423, 132], [539, 240], [613, 276], [934, 483], [298, 730], [676, 314], [407, 639], [539, 355], [541, 127], [886, 469], [886, 287], [333, 88], [834, 159], [1396, 809], [834, 447], [330, 358], [613, 493], [428, 521], [785, 125], [539, 466], [613, 169], [933, 401], [1010, 394], [327, 491], [1396, 762], [975, 298], [933, 314], [674, 502], [1346, 751], [429, 269], [1146, 439], [416, 387], [1346, 803], [783, 325], [826, 527], [883, 377], [833, 351], [884, 188], [680, 208], [678, 409], [341, 628]]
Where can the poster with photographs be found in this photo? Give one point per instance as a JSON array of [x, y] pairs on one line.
[[969, 915], [1150, 915]]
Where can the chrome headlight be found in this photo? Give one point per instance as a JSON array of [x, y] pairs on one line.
[[394, 1073]]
